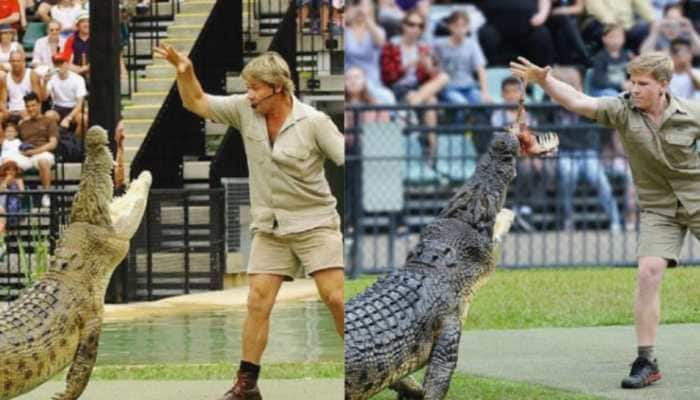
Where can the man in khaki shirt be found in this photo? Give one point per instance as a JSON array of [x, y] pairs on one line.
[[659, 133], [294, 218]]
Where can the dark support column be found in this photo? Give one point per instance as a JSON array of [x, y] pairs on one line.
[[105, 94]]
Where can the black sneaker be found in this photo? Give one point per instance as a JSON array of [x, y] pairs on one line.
[[643, 373]]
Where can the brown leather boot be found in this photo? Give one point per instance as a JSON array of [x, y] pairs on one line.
[[245, 388]]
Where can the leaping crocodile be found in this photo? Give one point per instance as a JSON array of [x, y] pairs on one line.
[[57, 321], [412, 318]]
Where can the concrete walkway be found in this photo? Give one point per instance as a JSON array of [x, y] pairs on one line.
[[588, 360], [281, 389]]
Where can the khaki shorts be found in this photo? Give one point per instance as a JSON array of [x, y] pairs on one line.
[[663, 236], [315, 250]]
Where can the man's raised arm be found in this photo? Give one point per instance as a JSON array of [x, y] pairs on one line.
[[191, 92], [570, 98]]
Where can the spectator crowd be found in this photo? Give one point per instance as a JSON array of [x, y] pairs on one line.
[[423, 52]]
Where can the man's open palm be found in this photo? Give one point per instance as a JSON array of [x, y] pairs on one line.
[[174, 57], [528, 71]]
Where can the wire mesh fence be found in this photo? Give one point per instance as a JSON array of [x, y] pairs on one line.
[[575, 208]]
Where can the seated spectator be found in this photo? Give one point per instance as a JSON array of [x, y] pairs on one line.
[[563, 25], [529, 182], [609, 73], [409, 69], [66, 12], [10, 180], [620, 12], [615, 162], [46, 47], [67, 91], [672, 26], [660, 6], [304, 7], [8, 44], [579, 158], [685, 82], [516, 28], [77, 46], [363, 43], [460, 56], [10, 13], [43, 9], [18, 83], [389, 16], [39, 135], [357, 92], [11, 143]]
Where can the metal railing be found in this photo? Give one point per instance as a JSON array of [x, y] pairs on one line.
[[146, 25], [179, 247], [400, 178]]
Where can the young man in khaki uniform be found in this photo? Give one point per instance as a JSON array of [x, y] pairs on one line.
[[294, 213], [658, 132]]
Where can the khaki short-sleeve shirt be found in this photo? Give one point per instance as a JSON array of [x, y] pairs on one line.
[[289, 192], [664, 161]]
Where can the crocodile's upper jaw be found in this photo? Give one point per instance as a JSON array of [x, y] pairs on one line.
[[126, 211]]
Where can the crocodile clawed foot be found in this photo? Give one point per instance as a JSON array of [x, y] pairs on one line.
[[408, 389], [62, 396]]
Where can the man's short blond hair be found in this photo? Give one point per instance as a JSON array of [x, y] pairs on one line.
[[270, 68], [655, 63]]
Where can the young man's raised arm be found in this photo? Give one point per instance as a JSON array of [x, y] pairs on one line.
[[570, 98]]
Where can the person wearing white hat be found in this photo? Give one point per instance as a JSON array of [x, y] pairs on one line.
[[76, 48]]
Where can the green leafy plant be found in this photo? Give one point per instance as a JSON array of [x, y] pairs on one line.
[[41, 245]]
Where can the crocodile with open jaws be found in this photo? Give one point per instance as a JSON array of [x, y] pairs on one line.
[[412, 317], [57, 321]]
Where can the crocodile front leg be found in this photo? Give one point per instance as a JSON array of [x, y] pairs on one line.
[[83, 362], [443, 359], [408, 389]]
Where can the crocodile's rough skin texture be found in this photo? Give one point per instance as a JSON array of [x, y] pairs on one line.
[[412, 318], [56, 323]]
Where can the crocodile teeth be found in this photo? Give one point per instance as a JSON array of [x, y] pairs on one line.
[[546, 143]]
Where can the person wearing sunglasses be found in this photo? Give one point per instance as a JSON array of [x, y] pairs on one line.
[[412, 73]]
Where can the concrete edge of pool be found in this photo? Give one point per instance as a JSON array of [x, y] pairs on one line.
[[298, 290]]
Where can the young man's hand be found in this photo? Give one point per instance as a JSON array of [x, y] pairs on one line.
[[528, 71]]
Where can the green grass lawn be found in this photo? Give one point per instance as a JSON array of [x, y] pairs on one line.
[[470, 387], [573, 297]]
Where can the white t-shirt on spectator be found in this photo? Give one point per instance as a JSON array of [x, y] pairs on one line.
[[65, 92], [66, 16], [42, 52], [10, 147], [682, 86]]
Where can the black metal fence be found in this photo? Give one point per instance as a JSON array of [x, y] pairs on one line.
[[179, 247], [575, 208]]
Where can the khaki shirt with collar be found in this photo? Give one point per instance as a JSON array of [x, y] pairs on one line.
[[289, 192], [664, 162]]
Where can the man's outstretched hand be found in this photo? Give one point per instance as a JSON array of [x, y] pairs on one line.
[[178, 60], [529, 72]]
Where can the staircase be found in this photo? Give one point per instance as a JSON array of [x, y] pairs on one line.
[[320, 73]]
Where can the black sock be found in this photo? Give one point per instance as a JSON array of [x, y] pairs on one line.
[[250, 368], [646, 352]]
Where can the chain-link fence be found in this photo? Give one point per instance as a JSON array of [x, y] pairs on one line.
[[575, 208]]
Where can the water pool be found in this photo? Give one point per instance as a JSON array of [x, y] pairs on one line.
[[298, 332]]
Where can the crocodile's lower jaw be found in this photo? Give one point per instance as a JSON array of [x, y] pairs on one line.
[[126, 211]]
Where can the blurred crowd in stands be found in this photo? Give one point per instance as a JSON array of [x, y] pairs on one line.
[[44, 84], [422, 52]]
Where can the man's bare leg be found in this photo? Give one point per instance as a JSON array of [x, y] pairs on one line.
[[647, 308], [45, 174], [261, 298], [647, 313], [330, 284]]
